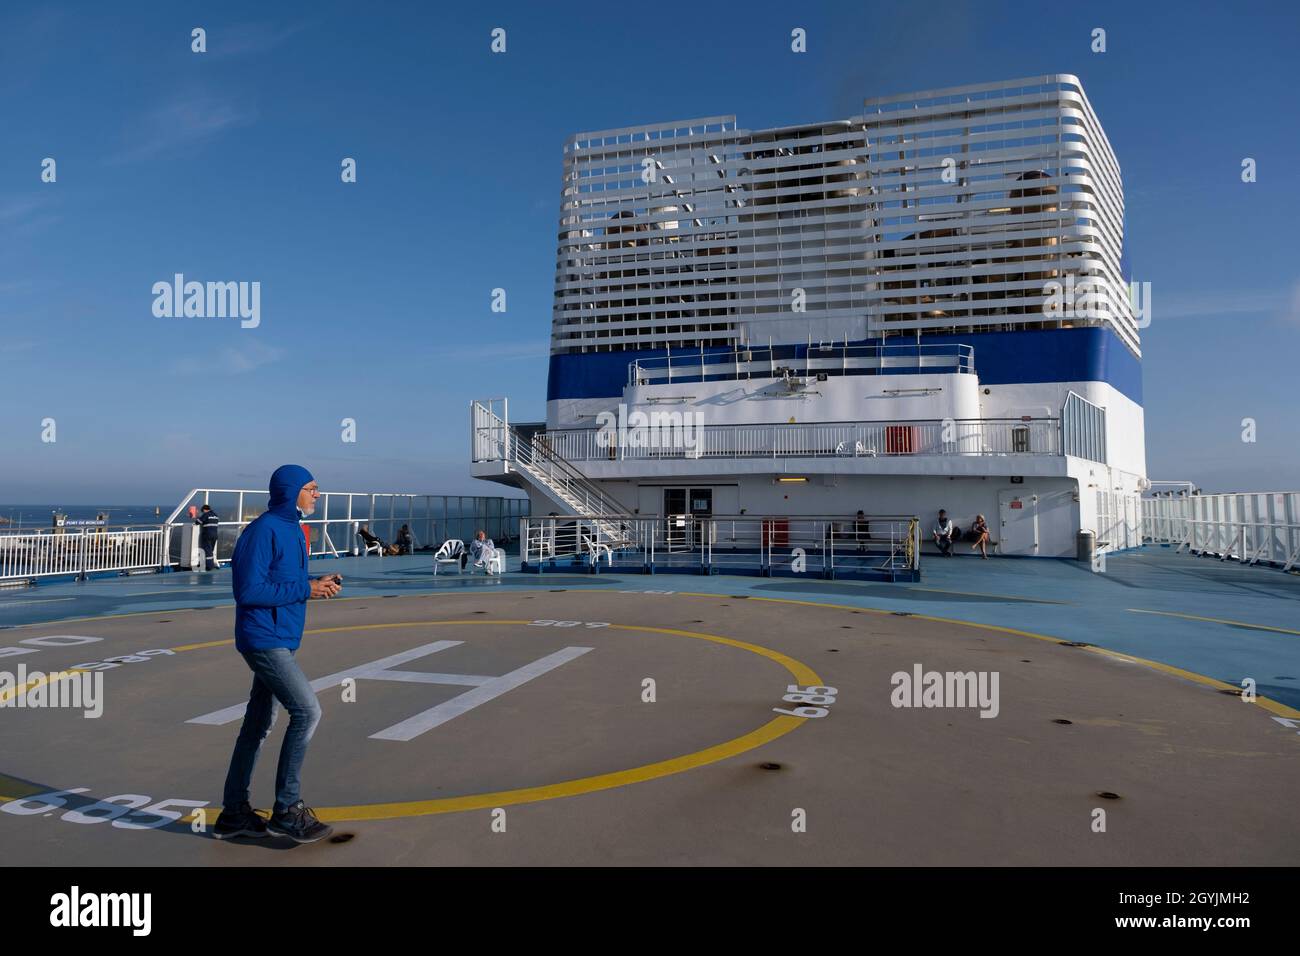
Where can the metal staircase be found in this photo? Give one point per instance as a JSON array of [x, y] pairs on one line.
[[558, 479]]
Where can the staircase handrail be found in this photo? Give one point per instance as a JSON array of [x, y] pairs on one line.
[[592, 490]]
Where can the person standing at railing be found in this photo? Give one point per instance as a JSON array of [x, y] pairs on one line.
[[272, 587], [209, 523]]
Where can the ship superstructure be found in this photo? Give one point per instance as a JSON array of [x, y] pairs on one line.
[[925, 306]]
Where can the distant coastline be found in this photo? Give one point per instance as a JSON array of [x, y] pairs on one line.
[[39, 516]]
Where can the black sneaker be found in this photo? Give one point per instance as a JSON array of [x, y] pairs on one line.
[[241, 822], [299, 824]]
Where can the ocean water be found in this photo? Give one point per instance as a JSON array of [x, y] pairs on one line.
[[433, 521], [40, 517]]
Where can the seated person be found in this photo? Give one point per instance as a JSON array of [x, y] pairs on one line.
[[942, 534], [371, 541], [405, 540], [981, 531], [481, 549]]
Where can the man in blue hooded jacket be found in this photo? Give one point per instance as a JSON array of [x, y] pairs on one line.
[[271, 584]]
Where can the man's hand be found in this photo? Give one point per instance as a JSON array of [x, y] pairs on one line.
[[326, 587]]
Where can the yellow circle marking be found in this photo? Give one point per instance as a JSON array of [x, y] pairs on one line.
[[1268, 704], [779, 726], [769, 731]]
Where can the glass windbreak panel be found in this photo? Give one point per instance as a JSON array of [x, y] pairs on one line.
[[492, 516], [451, 519], [468, 518]]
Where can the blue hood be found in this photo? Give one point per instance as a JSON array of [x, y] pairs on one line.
[[269, 570], [286, 482]]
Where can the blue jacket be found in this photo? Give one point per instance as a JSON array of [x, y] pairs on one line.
[[269, 569]]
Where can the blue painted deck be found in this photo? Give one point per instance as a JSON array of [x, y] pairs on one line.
[[1145, 604]]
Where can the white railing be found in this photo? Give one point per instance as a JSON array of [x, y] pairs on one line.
[[584, 538], [333, 529], [584, 495], [81, 552], [1250, 527], [813, 545], [493, 439], [1037, 436], [333, 526], [489, 430], [763, 362], [1119, 521]]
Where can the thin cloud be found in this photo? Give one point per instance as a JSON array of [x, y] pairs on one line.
[[1268, 303], [188, 121], [538, 348], [24, 215], [12, 210], [244, 39], [230, 360]]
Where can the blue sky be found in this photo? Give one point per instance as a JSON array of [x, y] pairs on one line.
[[375, 296]]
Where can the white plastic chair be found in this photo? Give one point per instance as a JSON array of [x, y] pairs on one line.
[[367, 548], [493, 563], [449, 553]]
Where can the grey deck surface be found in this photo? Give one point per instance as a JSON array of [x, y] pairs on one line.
[[1201, 777]]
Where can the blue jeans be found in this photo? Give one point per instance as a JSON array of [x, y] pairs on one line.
[[276, 676]]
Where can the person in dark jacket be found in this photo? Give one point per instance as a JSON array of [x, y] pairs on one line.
[[209, 524], [271, 585]]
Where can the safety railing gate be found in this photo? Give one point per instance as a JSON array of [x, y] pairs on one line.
[[1253, 528], [876, 546]]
